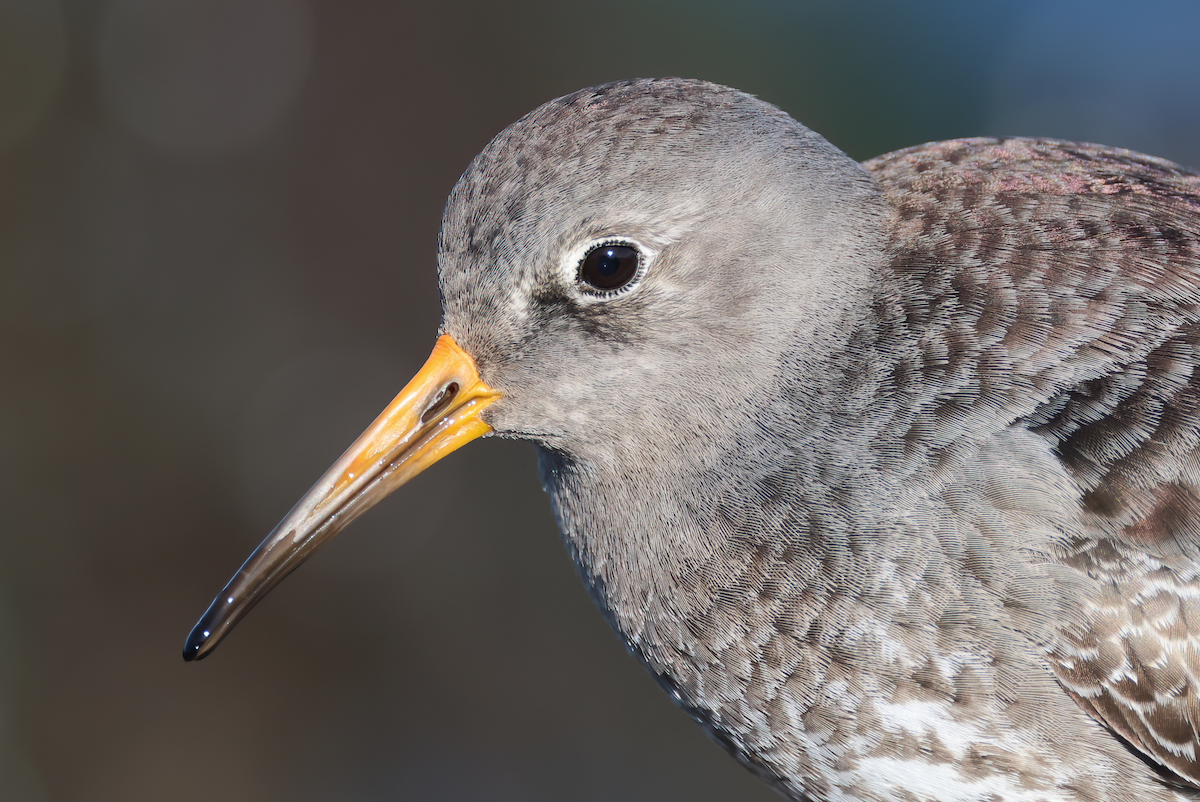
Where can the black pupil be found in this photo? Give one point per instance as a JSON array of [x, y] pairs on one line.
[[609, 267]]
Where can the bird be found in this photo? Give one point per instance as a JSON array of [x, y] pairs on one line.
[[889, 473]]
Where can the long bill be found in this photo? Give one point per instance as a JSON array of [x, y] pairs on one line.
[[437, 413]]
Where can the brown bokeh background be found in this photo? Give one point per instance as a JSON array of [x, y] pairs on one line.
[[217, 234]]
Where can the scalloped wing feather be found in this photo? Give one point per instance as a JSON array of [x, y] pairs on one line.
[[1080, 267]]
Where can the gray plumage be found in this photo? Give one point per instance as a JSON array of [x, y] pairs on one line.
[[887, 472]]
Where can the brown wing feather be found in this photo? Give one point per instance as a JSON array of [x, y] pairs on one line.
[[1098, 251]]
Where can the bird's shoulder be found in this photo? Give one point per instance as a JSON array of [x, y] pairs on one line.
[[1056, 287], [1067, 276], [1039, 167], [1080, 219]]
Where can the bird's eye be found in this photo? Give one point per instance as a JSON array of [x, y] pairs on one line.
[[609, 267]]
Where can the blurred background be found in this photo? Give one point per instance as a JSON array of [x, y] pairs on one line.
[[217, 233]]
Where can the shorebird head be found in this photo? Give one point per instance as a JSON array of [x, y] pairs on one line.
[[625, 266]]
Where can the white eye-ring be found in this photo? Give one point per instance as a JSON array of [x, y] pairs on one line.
[[609, 267]]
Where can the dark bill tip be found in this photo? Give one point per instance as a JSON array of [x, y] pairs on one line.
[[205, 635], [194, 649], [277, 557]]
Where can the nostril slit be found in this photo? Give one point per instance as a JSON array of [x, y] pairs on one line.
[[440, 403]]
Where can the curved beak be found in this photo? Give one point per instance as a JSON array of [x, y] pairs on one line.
[[435, 414]]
